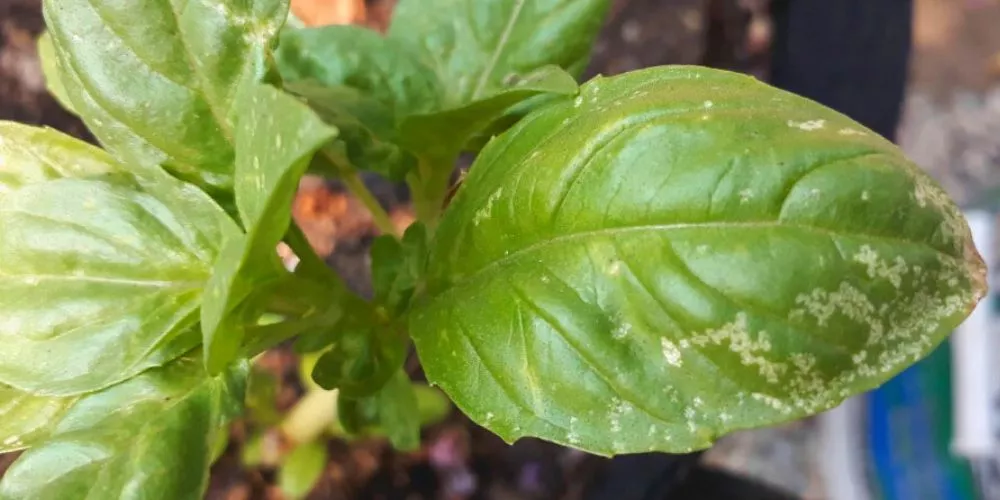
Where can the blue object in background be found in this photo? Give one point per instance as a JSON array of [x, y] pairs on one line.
[[909, 433]]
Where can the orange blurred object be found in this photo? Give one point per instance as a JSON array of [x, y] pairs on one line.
[[326, 12]]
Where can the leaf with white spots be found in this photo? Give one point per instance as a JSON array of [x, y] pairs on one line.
[[156, 80], [276, 137], [101, 272], [150, 437], [636, 269]]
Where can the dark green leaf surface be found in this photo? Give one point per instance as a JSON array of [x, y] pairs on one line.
[[52, 72], [148, 438], [276, 137], [27, 419], [392, 411], [102, 273], [302, 468], [474, 46], [351, 56], [156, 80], [366, 127], [445, 133], [361, 359], [397, 266], [681, 252]]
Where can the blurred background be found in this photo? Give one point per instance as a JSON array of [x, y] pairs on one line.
[[925, 73]]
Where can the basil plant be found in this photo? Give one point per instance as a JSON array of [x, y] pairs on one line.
[[642, 262]]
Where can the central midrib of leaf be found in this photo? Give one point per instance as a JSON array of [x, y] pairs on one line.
[[495, 56], [564, 238]]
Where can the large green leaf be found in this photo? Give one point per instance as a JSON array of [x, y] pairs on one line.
[[26, 419], [680, 252], [276, 137], [156, 80], [151, 437], [351, 56], [474, 46], [102, 272]]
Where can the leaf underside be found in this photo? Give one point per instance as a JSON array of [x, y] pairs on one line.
[[681, 252]]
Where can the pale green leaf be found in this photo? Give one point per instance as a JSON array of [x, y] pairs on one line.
[[474, 46], [156, 80], [102, 272], [681, 252], [151, 437], [51, 71], [302, 468], [276, 136], [27, 419]]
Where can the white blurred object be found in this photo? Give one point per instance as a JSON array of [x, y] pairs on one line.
[[973, 356], [842, 459]]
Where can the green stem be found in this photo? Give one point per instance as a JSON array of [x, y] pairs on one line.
[[429, 190], [308, 259], [349, 176]]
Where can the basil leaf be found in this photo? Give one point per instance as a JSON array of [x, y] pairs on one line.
[[474, 46], [351, 56], [366, 127], [397, 266], [681, 252], [163, 91], [392, 411], [27, 419], [51, 70], [361, 359], [276, 136], [301, 469], [150, 437], [103, 272], [445, 133]]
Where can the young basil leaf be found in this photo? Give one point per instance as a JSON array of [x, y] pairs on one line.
[[103, 272], [474, 46], [361, 359], [27, 419], [446, 132], [52, 71], [276, 136], [148, 437], [397, 266], [302, 468], [392, 410], [163, 91], [366, 126], [351, 56], [681, 252]]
